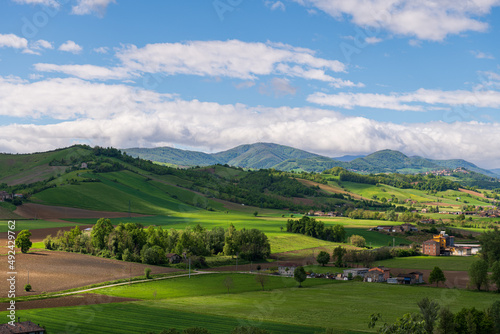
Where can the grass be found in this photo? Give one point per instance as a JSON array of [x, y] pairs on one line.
[[451, 263], [341, 306], [377, 239], [201, 285], [34, 224], [139, 317]]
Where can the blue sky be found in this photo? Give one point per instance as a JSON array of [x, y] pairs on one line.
[[333, 77]]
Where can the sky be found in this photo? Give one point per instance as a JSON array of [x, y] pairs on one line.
[[333, 77]]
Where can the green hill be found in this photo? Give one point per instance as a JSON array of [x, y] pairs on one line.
[[285, 158]]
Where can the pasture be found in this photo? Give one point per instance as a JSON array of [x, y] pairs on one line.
[[450, 263]]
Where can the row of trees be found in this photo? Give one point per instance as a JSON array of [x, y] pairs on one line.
[[435, 319], [391, 215], [316, 229], [132, 242]]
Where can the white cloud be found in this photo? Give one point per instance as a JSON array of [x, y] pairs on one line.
[[423, 19], [70, 46], [278, 87], [13, 41], [245, 84], [102, 49], [97, 7], [123, 116], [482, 55], [405, 101], [42, 44], [85, 71], [233, 59], [50, 3], [373, 40], [275, 5]]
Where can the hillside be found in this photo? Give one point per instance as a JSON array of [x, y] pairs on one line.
[[268, 155], [112, 181]]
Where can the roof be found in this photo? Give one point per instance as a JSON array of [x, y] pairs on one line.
[[20, 327], [172, 255]]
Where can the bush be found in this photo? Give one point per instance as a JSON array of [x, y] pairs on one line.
[[49, 243], [357, 240], [198, 262], [27, 287], [147, 273]]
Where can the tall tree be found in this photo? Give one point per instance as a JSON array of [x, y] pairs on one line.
[[300, 275], [495, 274], [490, 245], [23, 241], [323, 258], [446, 323], [437, 276], [338, 255], [478, 274], [429, 310], [100, 233]]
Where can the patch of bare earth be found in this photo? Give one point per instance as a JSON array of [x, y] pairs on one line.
[[76, 300], [51, 271], [40, 211], [330, 189], [470, 192]]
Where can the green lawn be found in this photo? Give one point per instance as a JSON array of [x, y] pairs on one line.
[[452, 263], [141, 317], [202, 285], [34, 224], [377, 239]]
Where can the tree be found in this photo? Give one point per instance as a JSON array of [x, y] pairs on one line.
[[300, 275], [437, 276], [357, 240], [256, 213], [100, 233], [228, 283], [410, 323], [147, 273], [490, 245], [473, 321], [429, 310], [323, 258], [494, 315], [478, 274], [23, 241], [338, 254], [495, 274], [446, 323], [261, 279]]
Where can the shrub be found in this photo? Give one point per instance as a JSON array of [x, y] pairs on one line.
[[27, 287], [48, 243], [147, 273]]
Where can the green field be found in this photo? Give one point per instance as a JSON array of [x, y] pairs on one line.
[[34, 224], [140, 317], [202, 285], [345, 306], [451, 263]]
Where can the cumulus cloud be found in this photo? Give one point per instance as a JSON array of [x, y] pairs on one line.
[[415, 101], [98, 7], [482, 55], [42, 44], [278, 87], [50, 3], [84, 71], [233, 59], [70, 46], [124, 116], [426, 20], [13, 41], [275, 5], [373, 40], [102, 49]]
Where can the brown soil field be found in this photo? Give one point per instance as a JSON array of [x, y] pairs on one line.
[[38, 235], [331, 189], [75, 300], [51, 271], [470, 192], [40, 211]]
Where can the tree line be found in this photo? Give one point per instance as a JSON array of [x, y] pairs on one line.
[[132, 242], [316, 229]]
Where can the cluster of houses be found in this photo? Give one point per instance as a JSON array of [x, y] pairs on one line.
[[371, 275], [396, 228], [324, 214], [444, 244], [5, 196], [448, 172]]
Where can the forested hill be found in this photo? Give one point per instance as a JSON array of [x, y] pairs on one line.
[[285, 158]]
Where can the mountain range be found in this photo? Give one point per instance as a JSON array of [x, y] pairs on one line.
[[280, 157]]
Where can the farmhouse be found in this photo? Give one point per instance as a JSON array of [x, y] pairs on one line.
[[287, 269], [4, 195], [174, 258], [25, 327], [355, 272], [378, 274], [431, 247]]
